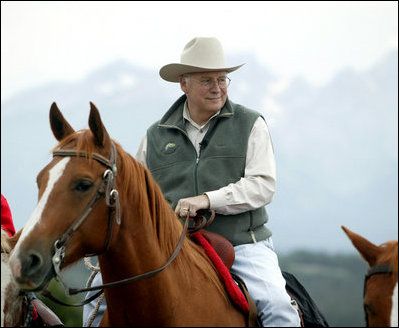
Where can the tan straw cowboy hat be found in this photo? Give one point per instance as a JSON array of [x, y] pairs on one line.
[[199, 55]]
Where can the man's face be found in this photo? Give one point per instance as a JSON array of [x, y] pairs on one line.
[[206, 92]]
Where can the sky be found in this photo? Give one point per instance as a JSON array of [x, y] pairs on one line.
[[46, 41]]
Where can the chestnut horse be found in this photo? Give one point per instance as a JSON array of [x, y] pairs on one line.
[[380, 293], [94, 198]]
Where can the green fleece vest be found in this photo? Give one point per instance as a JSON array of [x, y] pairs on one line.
[[173, 162]]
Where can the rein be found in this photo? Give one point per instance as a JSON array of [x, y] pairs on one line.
[[107, 189]]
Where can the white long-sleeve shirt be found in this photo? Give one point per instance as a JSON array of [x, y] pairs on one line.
[[252, 191]]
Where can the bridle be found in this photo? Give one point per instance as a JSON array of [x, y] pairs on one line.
[[374, 270], [107, 190]]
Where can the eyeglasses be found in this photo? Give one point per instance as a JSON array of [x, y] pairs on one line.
[[222, 81]]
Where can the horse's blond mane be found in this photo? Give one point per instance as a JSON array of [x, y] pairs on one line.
[[135, 179], [11, 300], [5, 244]]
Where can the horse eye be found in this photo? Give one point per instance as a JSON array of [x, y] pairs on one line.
[[83, 185]]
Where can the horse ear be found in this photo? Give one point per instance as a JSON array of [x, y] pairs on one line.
[[59, 125], [367, 249], [101, 137]]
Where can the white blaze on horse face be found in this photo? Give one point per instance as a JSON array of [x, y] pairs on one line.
[[54, 175], [394, 310]]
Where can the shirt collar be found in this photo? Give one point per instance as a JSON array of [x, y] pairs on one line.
[[186, 115]]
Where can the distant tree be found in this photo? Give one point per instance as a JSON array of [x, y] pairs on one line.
[[70, 316], [335, 282]]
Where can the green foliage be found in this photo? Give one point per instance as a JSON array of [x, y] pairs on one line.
[[335, 282], [70, 316]]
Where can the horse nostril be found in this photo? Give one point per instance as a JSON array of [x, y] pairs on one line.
[[36, 260], [32, 264]]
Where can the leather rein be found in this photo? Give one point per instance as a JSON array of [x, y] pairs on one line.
[[107, 190]]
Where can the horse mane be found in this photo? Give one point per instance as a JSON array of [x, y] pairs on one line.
[[5, 244], [135, 179], [11, 300]]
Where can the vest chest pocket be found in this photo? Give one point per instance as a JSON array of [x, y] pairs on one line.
[[169, 147]]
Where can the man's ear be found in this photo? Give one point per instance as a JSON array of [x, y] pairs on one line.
[[183, 83]]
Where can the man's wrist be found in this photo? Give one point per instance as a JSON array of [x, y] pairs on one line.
[[208, 203]]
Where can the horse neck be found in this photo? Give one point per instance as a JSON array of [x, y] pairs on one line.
[[5, 281], [146, 238], [6, 277], [394, 307], [394, 298], [149, 230]]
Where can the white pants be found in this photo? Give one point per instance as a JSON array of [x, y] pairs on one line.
[[257, 265], [89, 308]]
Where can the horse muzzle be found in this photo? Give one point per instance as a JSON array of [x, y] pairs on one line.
[[30, 270]]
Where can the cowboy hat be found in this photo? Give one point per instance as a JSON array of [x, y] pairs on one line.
[[199, 55]]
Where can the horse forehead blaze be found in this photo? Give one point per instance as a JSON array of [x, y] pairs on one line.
[[55, 173]]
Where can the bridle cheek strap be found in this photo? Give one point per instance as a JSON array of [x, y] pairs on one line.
[[107, 189]]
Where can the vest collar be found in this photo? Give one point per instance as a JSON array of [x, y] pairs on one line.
[[174, 116]]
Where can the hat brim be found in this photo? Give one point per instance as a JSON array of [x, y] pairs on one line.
[[172, 72]]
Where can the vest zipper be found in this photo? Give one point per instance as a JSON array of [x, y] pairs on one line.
[[196, 169], [253, 236], [195, 151]]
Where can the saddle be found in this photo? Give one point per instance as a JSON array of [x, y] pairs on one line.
[[222, 246], [308, 311], [225, 250]]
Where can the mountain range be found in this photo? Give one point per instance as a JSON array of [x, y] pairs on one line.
[[336, 145]]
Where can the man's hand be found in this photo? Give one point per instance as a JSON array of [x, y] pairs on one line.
[[191, 205]]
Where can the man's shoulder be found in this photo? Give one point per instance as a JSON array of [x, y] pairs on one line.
[[242, 108], [153, 126]]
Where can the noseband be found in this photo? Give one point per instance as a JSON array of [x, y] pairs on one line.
[[374, 270]]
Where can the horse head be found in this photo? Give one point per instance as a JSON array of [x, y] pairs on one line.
[[72, 189], [381, 281], [96, 199]]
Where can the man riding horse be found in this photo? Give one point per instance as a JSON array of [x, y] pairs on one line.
[[207, 152]]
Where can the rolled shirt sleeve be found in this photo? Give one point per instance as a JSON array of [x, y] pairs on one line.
[[257, 187], [142, 151]]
